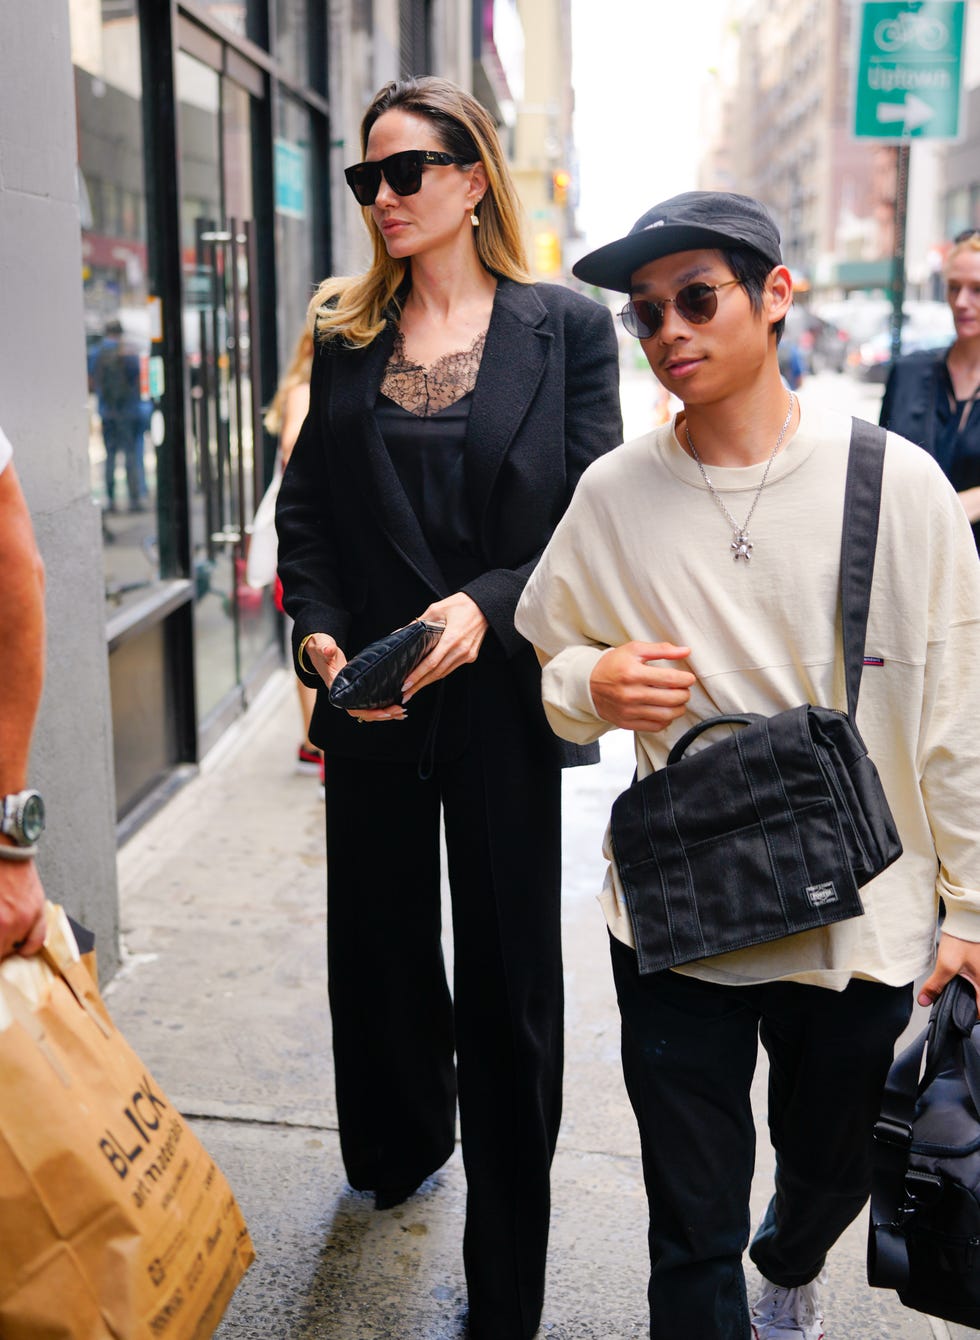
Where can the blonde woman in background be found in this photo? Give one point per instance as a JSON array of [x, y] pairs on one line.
[[283, 419], [931, 396]]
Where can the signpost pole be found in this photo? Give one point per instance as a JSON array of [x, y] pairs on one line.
[[898, 259]]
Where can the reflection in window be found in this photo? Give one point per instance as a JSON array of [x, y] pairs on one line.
[[295, 238], [247, 18], [121, 380]]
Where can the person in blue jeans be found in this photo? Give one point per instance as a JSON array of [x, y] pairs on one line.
[[115, 372], [696, 573]]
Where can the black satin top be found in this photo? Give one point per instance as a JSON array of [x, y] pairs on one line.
[[428, 455]]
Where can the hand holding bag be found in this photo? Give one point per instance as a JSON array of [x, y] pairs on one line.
[[374, 677], [924, 1231], [773, 829], [115, 1224]]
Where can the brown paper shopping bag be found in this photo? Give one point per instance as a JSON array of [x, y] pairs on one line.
[[115, 1224]]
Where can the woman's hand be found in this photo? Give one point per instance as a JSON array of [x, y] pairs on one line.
[[328, 660], [460, 644], [970, 498]]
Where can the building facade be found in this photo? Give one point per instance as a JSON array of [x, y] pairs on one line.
[[780, 127]]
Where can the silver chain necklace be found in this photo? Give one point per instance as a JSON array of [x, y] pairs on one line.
[[741, 545]]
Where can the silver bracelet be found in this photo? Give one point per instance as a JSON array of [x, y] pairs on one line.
[[8, 853]]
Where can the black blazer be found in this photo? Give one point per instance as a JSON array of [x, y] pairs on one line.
[[909, 407], [352, 556]]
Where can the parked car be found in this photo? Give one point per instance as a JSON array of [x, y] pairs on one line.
[[819, 342], [854, 320], [874, 357]]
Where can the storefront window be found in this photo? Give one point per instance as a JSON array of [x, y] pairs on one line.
[[301, 46], [295, 241], [122, 375], [247, 18], [233, 623]]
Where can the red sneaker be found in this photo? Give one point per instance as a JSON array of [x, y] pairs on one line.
[[309, 761]]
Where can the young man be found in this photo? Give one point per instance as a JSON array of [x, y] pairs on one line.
[[696, 573]]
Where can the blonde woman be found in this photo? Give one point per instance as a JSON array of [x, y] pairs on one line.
[[931, 398], [283, 419], [454, 405]]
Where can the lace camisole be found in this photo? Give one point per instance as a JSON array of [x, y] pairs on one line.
[[423, 415]]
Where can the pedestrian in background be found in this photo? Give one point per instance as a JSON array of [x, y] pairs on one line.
[[283, 419], [116, 382], [931, 397], [654, 610], [22, 918], [454, 405]]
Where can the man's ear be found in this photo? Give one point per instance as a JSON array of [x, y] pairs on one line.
[[779, 294]]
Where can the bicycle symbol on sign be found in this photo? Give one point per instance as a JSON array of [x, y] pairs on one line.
[[911, 29]]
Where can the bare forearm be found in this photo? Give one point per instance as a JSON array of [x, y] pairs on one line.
[[970, 499], [22, 622]]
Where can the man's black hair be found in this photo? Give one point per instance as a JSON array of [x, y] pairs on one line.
[[752, 269]]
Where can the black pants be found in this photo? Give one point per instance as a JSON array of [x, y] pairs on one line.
[[395, 1027], [689, 1053]]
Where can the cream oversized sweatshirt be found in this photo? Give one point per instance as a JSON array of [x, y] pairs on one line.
[[643, 554]]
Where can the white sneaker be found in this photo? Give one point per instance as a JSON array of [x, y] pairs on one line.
[[789, 1314]]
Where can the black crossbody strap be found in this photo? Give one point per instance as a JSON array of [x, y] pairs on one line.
[[862, 498]]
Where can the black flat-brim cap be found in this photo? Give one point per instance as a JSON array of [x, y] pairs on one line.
[[688, 222]]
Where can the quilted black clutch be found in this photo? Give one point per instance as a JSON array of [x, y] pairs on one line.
[[375, 676]]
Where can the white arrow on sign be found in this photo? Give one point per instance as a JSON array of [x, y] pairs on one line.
[[913, 111]]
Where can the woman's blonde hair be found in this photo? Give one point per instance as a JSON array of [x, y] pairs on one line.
[[300, 367], [353, 308], [965, 241]]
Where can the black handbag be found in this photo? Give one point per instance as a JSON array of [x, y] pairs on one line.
[[924, 1232], [771, 830], [374, 677]]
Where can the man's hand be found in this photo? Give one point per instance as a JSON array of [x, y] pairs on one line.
[[23, 924], [630, 692], [952, 957], [460, 644]]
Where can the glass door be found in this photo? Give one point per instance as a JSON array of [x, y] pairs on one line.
[[234, 624]]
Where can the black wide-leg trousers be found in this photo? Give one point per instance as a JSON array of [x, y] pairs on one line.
[[396, 1026]]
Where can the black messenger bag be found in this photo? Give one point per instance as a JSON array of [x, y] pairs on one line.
[[924, 1231], [772, 829]]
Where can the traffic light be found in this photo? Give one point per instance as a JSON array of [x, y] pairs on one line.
[[561, 180], [547, 253]]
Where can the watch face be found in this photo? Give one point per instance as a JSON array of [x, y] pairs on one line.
[[32, 818]]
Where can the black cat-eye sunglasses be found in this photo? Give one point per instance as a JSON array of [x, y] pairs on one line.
[[402, 172]]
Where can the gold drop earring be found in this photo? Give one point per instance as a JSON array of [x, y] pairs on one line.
[[474, 218]]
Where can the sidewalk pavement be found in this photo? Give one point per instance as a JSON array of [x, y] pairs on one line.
[[223, 993]]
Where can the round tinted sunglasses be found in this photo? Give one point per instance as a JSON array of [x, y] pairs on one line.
[[402, 172], [695, 303]]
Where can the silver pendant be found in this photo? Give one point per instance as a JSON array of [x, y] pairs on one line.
[[742, 546]]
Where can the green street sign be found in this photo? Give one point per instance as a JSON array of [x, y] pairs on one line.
[[907, 75]]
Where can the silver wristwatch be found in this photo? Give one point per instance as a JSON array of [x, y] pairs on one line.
[[22, 818]]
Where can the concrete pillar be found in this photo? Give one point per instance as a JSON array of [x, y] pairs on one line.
[[44, 412]]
